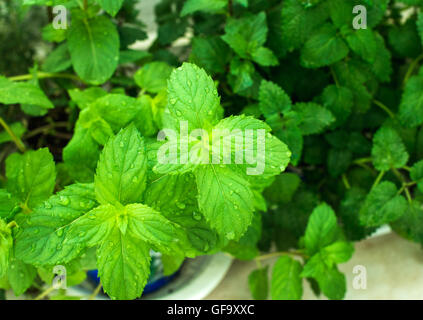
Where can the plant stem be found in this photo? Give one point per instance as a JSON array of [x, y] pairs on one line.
[[411, 69], [42, 295], [404, 184], [45, 128], [335, 79], [346, 182], [362, 160], [12, 224], [12, 135], [384, 108], [95, 292], [281, 253], [378, 179], [45, 75]]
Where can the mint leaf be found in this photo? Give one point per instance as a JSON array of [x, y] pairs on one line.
[[193, 97], [23, 93], [298, 22], [273, 103], [313, 117], [225, 199], [322, 229], [286, 281], [83, 98], [324, 48], [339, 101], [7, 204], [42, 238], [6, 244], [121, 171], [153, 76], [58, 60], [337, 252], [258, 283], [411, 107], [211, 6], [210, 53], [382, 205], [123, 263], [94, 48], [330, 280], [20, 276], [416, 174], [148, 225], [112, 7], [31, 176], [388, 150]]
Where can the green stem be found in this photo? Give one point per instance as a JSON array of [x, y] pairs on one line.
[[378, 179], [45, 293], [95, 292], [384, 108], [12, 135], [404, 184], [12, 224], [362, 160], [346, 182], [335, 79], [411, 69], [45, 75], [280, 253]]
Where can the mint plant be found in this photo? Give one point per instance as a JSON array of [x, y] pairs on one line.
[[277, 129]]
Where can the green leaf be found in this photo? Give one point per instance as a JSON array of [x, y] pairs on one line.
[[209, 6], [7, 204], [273, 103], [410, 224], [83, 98], [20, 276], [121, 171], [382, 205], [416, 174], [210, 53], [112, 7], [330, 280], [153, 76], [42, 238], [58, 60], [81, 155], [388, 150], [299, 22], [286, 281], [171, 263], [124, 265], [338, 161], [247, 35], [258, 283], [149, 226], [94, 48], [363, 43], [264, 57], [225, 199], [193, 97], [31, 176], [242, 72], [284, 188], [6, 244], [313, 117], [22, 93], [411, 107], [337, 252], [322, 229], [324, 48], [350, 205], [339, 101]]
